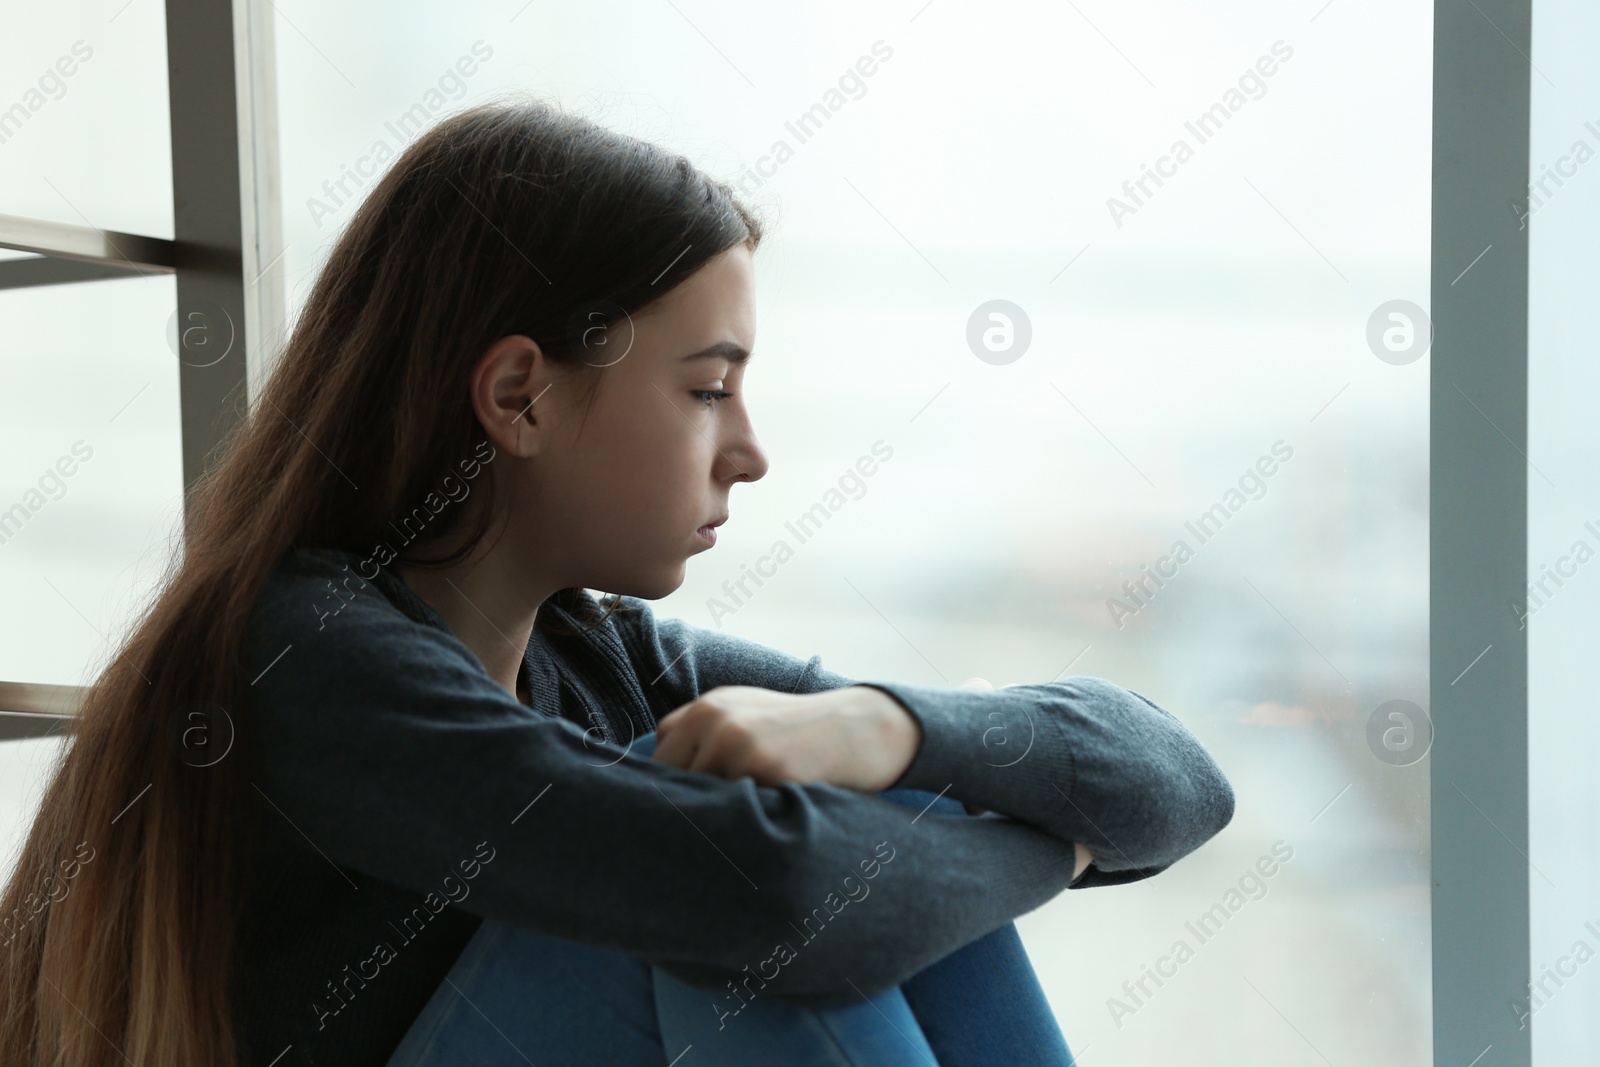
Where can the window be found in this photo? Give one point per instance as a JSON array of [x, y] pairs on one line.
[[1162, 326], [1562, 601]]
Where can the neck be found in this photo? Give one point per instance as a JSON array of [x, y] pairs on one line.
[[486, 607]]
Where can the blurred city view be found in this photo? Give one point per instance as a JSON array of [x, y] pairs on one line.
[[1198, 370]]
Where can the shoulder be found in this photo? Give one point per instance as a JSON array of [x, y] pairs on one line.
[[300, 568], [324, 598], [329, 659]]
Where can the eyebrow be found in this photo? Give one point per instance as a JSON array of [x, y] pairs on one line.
[[735, 354]]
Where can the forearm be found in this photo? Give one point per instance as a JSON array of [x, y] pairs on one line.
[[900, 734], [937, 883], [1084, 760]]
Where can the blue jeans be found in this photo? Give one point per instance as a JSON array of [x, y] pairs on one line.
[[515, 997]]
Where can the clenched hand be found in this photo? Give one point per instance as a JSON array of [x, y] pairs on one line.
[[856, 737]]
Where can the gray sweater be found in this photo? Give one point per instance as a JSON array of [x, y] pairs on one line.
[[400, 795]]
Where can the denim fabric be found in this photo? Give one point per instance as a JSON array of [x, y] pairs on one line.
[[516, 997]]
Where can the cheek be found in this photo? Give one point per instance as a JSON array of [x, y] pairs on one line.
[[677, 443], [646, 468], [642, 484]]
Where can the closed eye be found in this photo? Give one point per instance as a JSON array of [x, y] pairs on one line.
[[711, 396]]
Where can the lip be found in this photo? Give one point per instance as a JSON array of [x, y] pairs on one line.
[[708, 532]]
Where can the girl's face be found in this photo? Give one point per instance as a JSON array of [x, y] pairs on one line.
[[616, 502]]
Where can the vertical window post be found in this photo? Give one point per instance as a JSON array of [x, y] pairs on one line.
[[1478, 533]]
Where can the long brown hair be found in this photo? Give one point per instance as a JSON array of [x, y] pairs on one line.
[[510, 218]]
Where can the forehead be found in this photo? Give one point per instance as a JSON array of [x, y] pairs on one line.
[[707, 318]]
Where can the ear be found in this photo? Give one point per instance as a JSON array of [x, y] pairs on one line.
[[506, 389]]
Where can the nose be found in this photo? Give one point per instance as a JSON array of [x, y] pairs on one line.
[[741, 458], [748, 463]]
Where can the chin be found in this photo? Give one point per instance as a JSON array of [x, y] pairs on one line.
[[653, 587]]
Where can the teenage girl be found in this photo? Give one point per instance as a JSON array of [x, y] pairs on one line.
[[376, 781]]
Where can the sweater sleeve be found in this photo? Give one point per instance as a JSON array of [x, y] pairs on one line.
[[1081, 759], [383, 745]]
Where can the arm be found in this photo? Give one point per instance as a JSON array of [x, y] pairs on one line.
[[386, 747], [904, 718], [857, 737], [1083, 760]]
